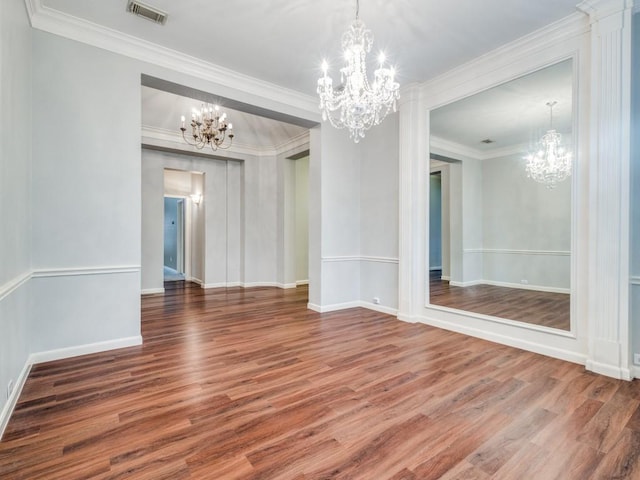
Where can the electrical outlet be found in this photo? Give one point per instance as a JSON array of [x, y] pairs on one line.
[[9, 388], [376, 300], [636, 358]]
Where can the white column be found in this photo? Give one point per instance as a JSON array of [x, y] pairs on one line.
[[413, 178], [609, 338]]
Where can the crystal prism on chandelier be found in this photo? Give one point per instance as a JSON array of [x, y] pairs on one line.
[[208, 127], [551, 163], [356, 104]]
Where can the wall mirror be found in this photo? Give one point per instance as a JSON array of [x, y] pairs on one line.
[[500, 241]]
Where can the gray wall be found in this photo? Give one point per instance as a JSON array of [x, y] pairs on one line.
[[378, 209], [86, 195], [15, 190], [302, 219]]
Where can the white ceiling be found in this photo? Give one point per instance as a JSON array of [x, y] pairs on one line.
[[284, 41], [511, 114]]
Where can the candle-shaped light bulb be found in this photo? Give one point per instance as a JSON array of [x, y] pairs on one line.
[[230, 126], [182, 120], [217, 108], [381, 58], [325, 67]]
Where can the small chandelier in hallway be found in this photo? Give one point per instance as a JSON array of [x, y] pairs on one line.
[[551, 163], [208, 127], [356, 104]]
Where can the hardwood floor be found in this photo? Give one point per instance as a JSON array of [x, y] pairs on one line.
[[530, 306], [249, 384]]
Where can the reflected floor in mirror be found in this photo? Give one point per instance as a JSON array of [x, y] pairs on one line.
[[530, 306]]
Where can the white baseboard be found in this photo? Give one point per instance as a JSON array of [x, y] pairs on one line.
[[445, 277], [76, 351], [152, 291], [635, 370], [248, 285], [537, 288], [12, 401], [58, 354], [542, 349], [609, 370], [302, 282], [355, 304]]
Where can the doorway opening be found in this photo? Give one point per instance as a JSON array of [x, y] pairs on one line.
[[174, 244]]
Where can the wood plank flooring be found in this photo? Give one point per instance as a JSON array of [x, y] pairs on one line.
[[530, 306], [249, 384]]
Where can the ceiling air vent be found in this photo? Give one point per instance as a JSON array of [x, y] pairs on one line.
[[145, 11], [487, 140]]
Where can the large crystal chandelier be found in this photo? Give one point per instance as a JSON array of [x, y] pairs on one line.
[[550, 164], [356, 104], [208, 127]]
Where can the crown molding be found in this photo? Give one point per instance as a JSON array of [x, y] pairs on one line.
[[172, 140], [74, 28], [572, 26], [447, 147], [598, 9]]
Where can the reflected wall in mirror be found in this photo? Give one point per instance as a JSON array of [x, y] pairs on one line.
[[500, 242]]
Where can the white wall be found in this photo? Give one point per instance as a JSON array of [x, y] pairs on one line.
[[526, 227], [378, 212], [340, 219], [86, 195], [15, 193]]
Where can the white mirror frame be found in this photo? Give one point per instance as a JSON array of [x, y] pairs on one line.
[[566, 39]]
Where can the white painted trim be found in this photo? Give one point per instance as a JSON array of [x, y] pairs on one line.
[[194, 280], [302, 282], [12, 285], [448, 148], [379, 259], [635, 370], [445, 277], [151, 291], [74, 28], [471, 283], [537, 288], [379, 308], [333, 308], [500, 320], [172, 139], [247, 285], [540, 348], [506, 251], [71, 272], [344, 258], [75, 351], [609, 370], [12, 401], [357, 258], [58, 354], [355, 304]]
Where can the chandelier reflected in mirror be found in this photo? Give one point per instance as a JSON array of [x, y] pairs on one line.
[[356, 104], [208, 127], [551, 163]]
